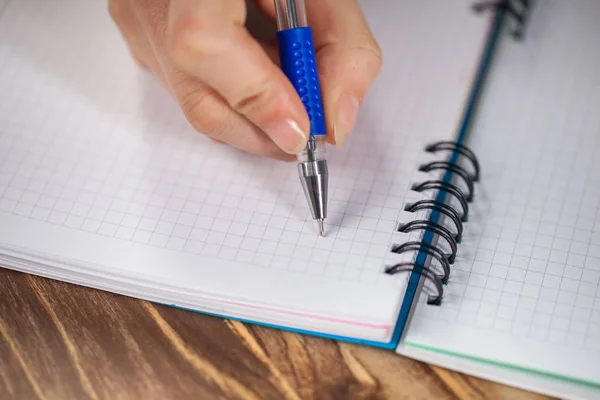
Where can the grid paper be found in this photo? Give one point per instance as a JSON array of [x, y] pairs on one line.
[[528, 271], [90, 143]]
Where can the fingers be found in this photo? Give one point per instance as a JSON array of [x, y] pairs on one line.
[[207, 40], [132, 28], [124, 18], [208, 113], [143, 24], [348, 59]]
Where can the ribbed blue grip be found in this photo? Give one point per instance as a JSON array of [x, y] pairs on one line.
[[297, 58]]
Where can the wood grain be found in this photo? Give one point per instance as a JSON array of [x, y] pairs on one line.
[[61, 341]]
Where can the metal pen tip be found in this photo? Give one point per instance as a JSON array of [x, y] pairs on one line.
[[321, 228]]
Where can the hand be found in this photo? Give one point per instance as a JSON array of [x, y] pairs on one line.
[[229, 85]]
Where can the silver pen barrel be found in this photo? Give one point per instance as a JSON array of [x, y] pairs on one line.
[[290, 14], [313, 173]]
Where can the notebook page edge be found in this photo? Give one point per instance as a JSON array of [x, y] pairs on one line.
[[334, 328], [355, 304], [525, 380]]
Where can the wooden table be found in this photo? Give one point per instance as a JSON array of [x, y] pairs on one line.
[[60, 341]]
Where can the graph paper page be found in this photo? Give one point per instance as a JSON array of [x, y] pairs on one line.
[[524, 291], [99, 169]]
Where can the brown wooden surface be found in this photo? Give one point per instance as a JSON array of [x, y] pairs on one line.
[[60, 341]]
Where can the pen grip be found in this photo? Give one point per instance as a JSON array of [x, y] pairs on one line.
[[298, 62]]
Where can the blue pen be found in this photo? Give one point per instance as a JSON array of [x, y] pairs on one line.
[[298, 62]]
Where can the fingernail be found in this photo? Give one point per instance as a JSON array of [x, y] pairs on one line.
[[348, 110], [287, 135]]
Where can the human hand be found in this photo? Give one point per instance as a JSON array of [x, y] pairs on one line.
[[230, 86]]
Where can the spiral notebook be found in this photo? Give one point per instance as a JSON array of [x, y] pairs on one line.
[[104, 184]]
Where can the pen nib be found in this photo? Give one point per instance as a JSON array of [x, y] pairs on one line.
[[321, 229]]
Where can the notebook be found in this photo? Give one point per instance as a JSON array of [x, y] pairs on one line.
[[104, 184]]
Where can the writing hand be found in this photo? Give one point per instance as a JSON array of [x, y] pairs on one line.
[[228, 86]]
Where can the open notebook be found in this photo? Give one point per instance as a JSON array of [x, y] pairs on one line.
[[104, 184]]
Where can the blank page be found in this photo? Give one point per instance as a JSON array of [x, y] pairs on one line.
[[524, 291], [103, 183]]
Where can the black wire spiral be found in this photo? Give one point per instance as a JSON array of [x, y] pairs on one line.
[[442, 208], [520, 12], [459, 148], [445, 259], [435, 228], [455, 168], [446, 187]]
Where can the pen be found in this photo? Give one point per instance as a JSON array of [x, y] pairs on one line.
[[298, 62]]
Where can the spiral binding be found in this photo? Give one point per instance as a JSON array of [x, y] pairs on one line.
[[454, 168], [435, 228], [442, 208], [519, 11], [446, 187], [435, 252], [462, 150], [444, 258]]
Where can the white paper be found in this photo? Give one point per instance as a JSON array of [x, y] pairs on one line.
[[102, 181]]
